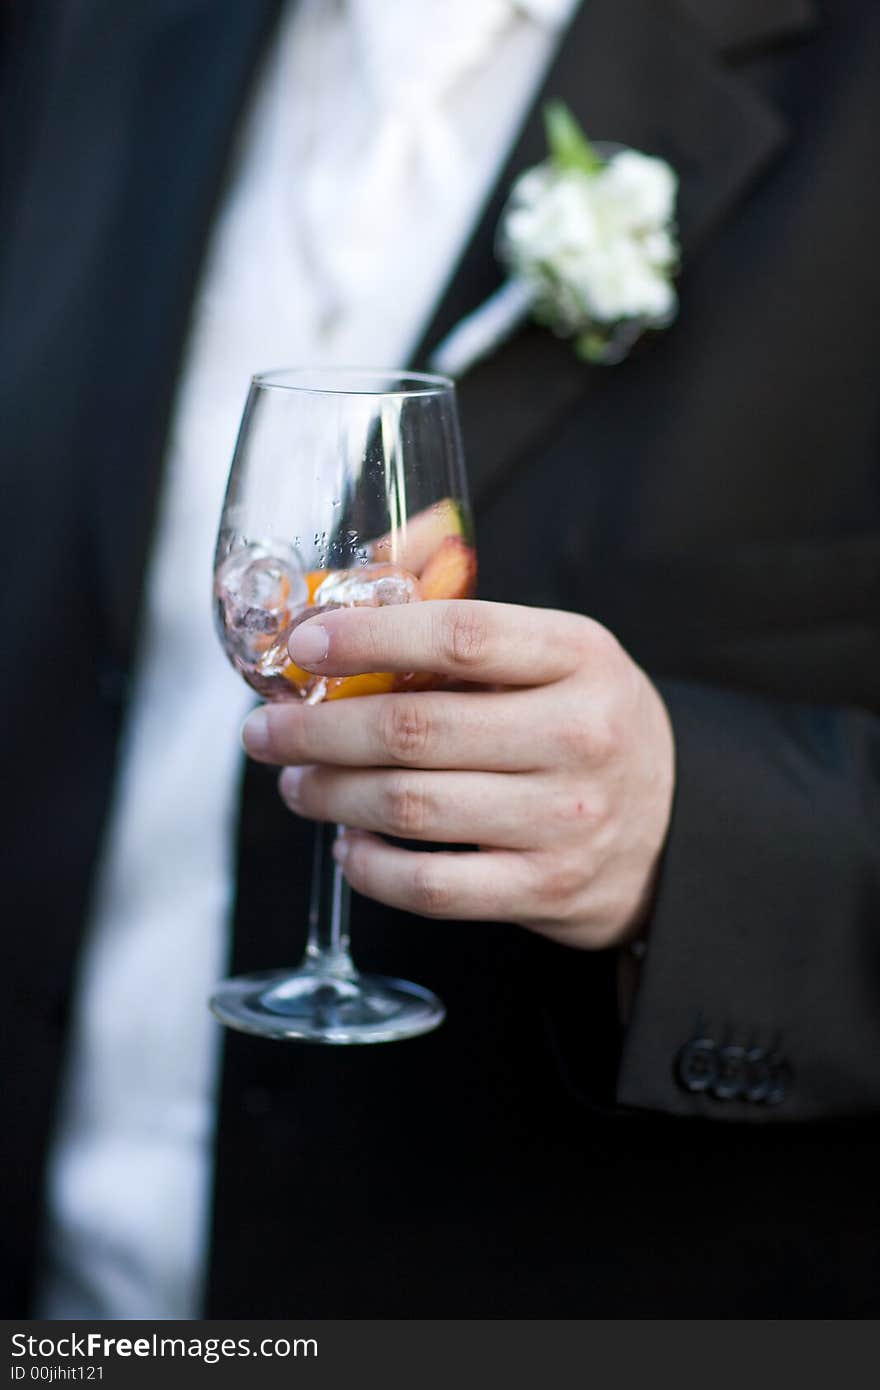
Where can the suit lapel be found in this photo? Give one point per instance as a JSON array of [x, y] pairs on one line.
[[639, 72], [738, 26]]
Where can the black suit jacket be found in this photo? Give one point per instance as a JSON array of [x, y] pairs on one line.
[[714, 500]]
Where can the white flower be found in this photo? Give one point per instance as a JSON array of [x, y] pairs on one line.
[[638, 190], [595, 248], [589, 240]]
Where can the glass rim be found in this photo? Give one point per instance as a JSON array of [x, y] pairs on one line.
[[311, 383]]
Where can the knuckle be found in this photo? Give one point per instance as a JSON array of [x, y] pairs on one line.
[[405, 730], [572, 735], [558, 901], [534, 909], [561, 917], [463, 636], [431, 891], [579, 634], [562, 881], [603, 737], [601, 815], [599, 641], [593, 735], [614, 720], [405, 808]]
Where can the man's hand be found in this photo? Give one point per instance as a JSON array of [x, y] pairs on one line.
[[561, 770]]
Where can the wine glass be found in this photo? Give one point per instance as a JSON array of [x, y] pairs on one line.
[[347, 488]]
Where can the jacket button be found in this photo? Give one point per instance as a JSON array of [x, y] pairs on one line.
[[757, 1075], [697, 1065], [780, 1082], [730, 1079]]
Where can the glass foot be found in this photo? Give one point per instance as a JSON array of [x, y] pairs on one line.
[[318, 1007]]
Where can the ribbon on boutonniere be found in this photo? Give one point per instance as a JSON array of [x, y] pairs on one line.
[[588, 240]]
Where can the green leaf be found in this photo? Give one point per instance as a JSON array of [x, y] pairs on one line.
[[568, 145], [591, 347]]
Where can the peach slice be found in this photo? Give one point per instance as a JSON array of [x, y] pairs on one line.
[[451, 571], [413, 544]]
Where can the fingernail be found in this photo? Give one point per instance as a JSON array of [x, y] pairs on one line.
[[289, 785], [309, 644], [255, 732]]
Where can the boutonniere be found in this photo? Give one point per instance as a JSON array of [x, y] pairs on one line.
[[588, 240]]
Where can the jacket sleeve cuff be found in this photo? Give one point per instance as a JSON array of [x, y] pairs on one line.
[[759, 994]]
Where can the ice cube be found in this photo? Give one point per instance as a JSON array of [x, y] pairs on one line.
[[373, 586], [258, 588]]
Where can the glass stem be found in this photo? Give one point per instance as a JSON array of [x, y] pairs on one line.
[[327, 947]]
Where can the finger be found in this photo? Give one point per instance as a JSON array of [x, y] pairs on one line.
[[482, 731], [469, 640], [482, 886], [463, 808]]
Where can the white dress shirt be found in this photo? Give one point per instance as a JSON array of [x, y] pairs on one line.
[[376, 134]]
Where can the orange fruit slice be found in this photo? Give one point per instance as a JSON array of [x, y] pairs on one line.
[[314, 579], [451, 571], [297, 676], [371, 683]]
